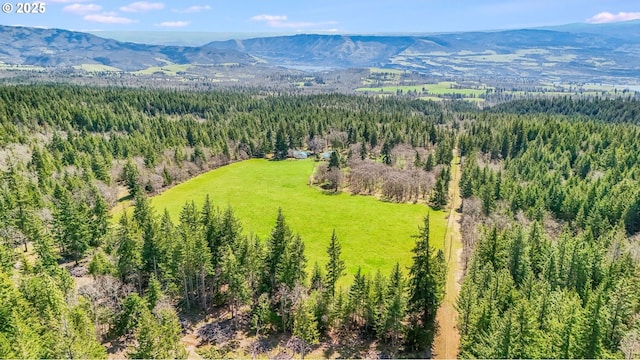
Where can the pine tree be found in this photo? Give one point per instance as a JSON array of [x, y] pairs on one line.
[[99, 226], [281, 147], [358, 294], [238, 291], [386, 153], [195, 254], [71, 226], [430, 163], [335, 267], [131, 178], [518, 257], [277, 245], [591, 330], [305, 326], [394, 327], [43, 245], [293, 271], [154, 292], [466, 182], [317, 278], [261, 314], [426, 289], [146, 225], [80, 336], [159, 338], [439, 196], [379, 296], [417, 161], [334, 160], [363, 151], [128, 252]]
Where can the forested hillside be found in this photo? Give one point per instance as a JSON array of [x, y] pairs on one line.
[[551, 216], [550, 226], [71, 153]]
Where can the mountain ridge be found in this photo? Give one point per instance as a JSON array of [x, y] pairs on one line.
[[530, 53], [59, 48]]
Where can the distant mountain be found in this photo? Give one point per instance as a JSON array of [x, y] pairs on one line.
[[321, 50], [622, 30], [526, 52], [62, 48], [177, 38], [580, 52]]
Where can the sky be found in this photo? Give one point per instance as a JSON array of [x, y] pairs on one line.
[[315, 16]]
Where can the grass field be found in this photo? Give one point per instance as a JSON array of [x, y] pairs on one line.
[[170, 69], [97, 68], [442, 88], [374, 234]]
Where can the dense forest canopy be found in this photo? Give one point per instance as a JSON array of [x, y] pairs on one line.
[[551, 216]]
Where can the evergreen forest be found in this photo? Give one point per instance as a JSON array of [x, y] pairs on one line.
[[550, 223]]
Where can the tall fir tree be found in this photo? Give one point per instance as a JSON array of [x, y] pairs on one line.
[[426, 290], [335, 266]]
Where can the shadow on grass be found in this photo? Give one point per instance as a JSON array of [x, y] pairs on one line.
[[128, 197]]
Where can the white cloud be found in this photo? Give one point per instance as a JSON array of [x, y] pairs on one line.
[[607, 17], [265, 17], [108, 19], [192, 9], [142, 6], [81, 9], [281, 21], [174, 24]]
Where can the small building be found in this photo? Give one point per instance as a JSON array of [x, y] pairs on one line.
[[326, 155], [298, 154]]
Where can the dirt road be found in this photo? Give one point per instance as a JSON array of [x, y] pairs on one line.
[[447, 341]]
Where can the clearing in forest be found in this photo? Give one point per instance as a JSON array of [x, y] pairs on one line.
[[374, 234]]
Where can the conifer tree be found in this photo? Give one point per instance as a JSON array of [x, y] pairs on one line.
[[128, 252], [293, 271], [238, 292], [335, 267], [363, 151], [386, 153], [305, 326], [426, 290], [334, 160], [281, 146], [317, 278], [430, 163], [131, 178], [394, 327], [277, 245]]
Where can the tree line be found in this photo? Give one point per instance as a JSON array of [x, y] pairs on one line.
[[66, 150], [550, 217]]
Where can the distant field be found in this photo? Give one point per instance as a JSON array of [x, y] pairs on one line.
[[385, 71], [4, 66], [96, 68], [441, 88], [374, 234], [171, 69]]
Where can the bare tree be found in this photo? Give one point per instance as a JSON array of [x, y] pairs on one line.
[[316, 144], [630, 345], [105, 295], [335, 179]]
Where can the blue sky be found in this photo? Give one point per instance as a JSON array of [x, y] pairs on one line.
[[340, 16]]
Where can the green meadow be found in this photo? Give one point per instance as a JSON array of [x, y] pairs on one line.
[[374, 234], [97, 68], [170, 69], [441, 88]]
